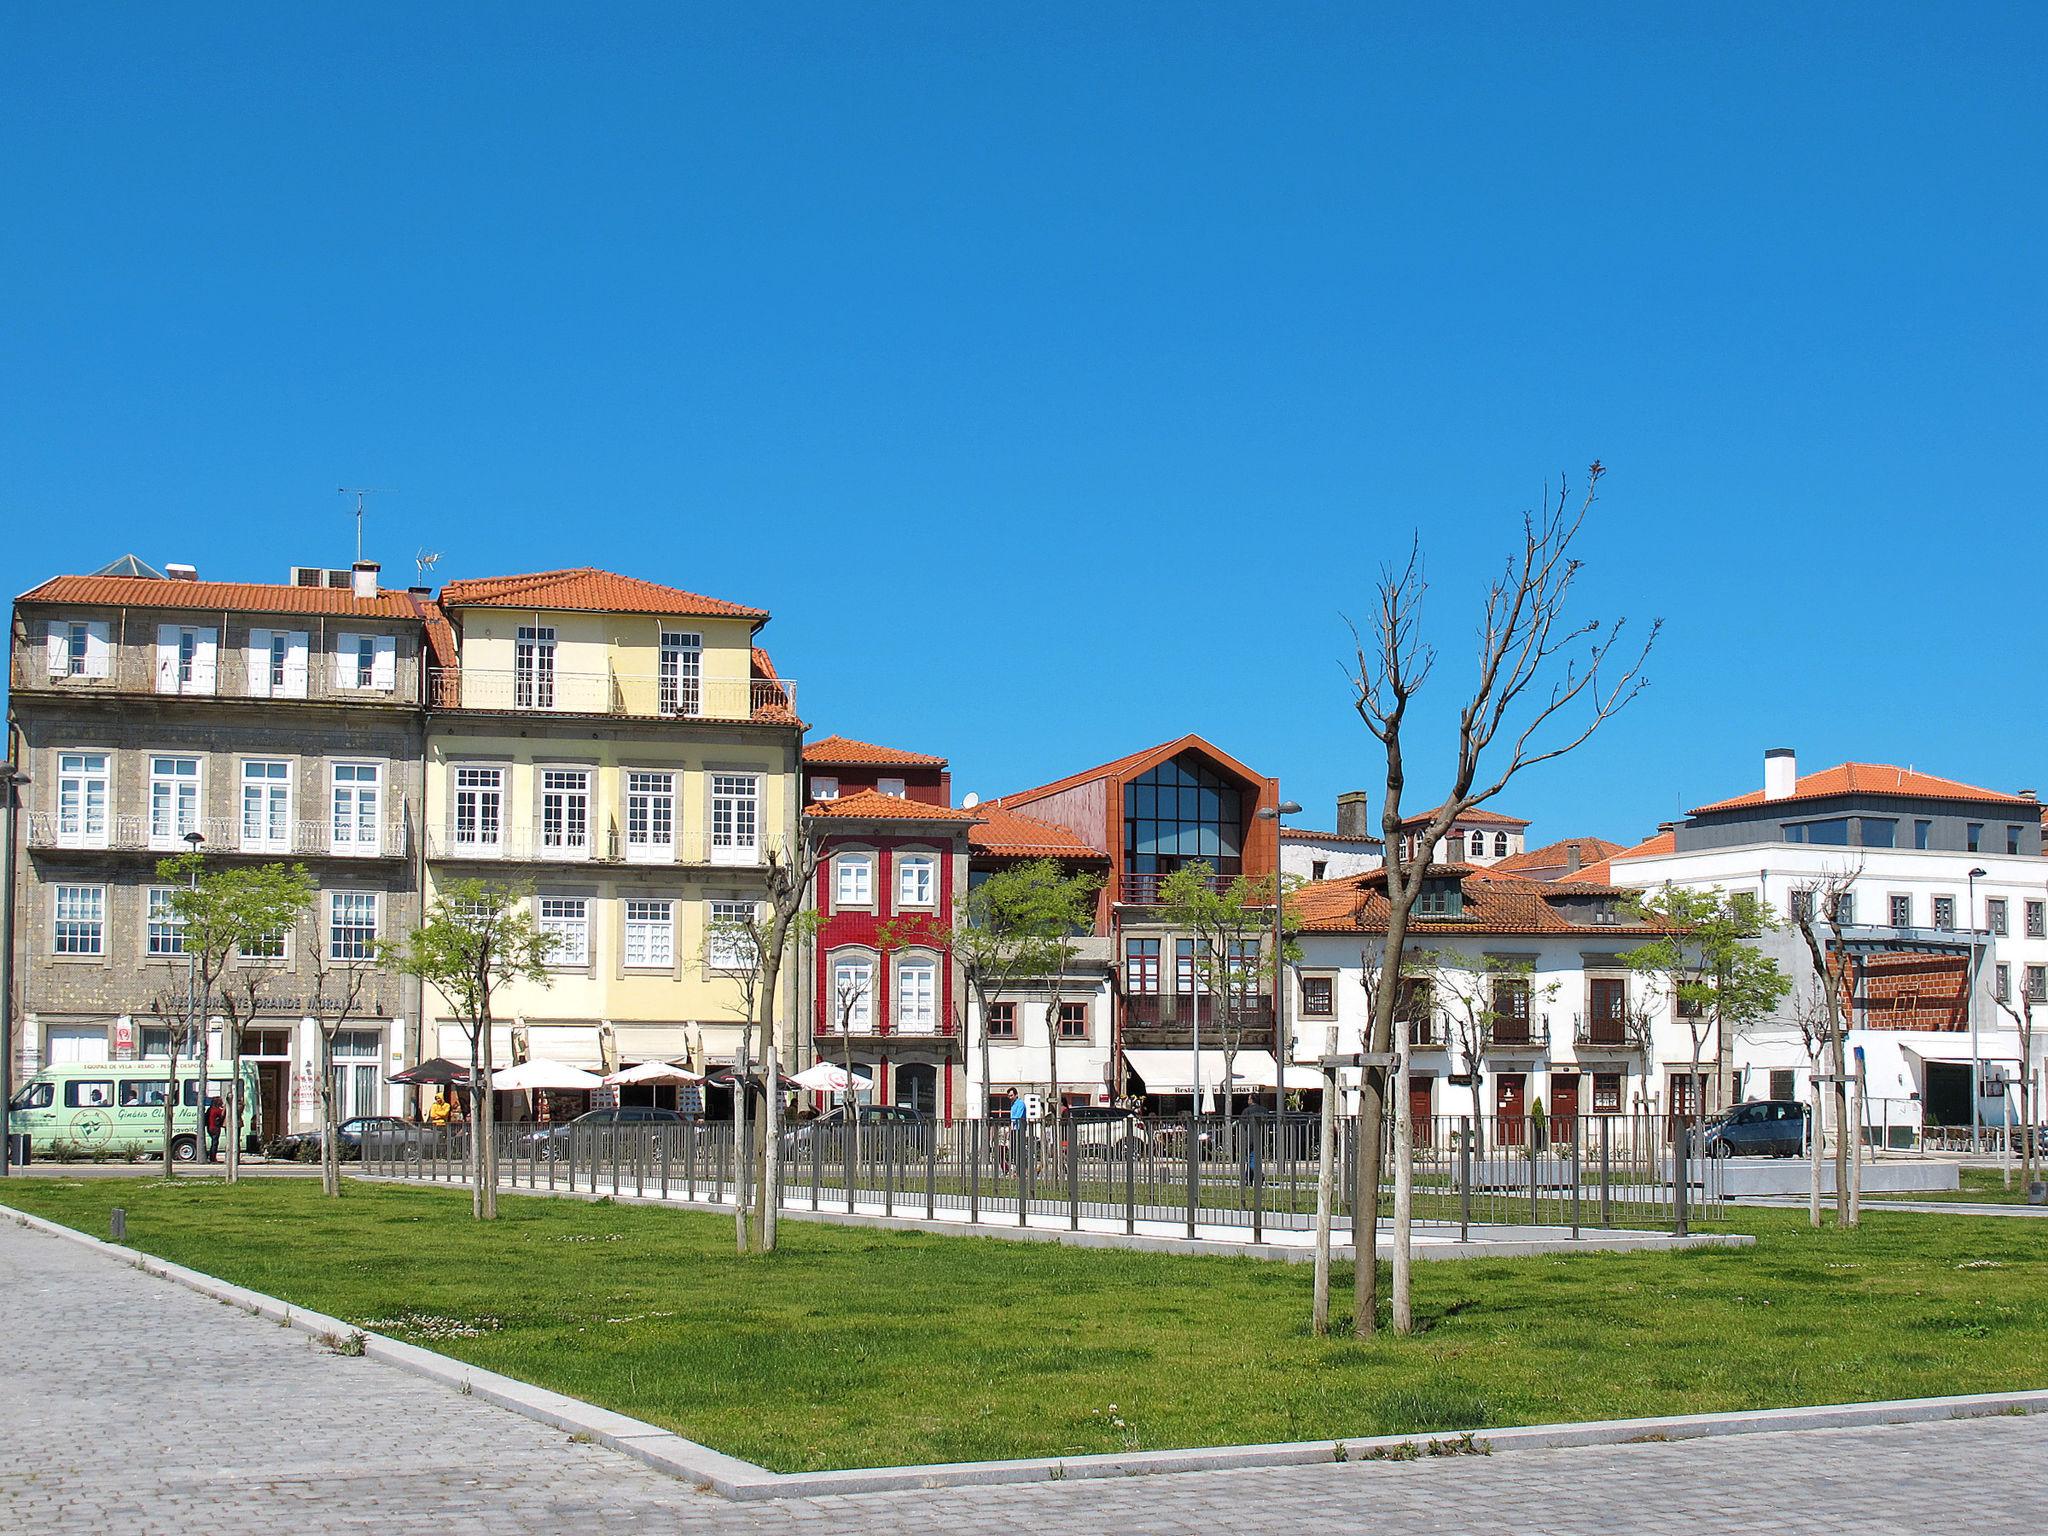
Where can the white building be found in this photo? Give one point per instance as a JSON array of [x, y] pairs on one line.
[[1021, 1033], [1480, 837], [1350, 850], [1947, 919]]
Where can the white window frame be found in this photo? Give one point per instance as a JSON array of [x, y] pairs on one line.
[[355, 806], [895, 789], [650, 816], [533, 667], [917, 996], [564, 821], [726, 951], [680, 680], [853, 879], [79, 648], [273, 812], [565, 925], [175, 798], [909, 867], [78, 921], [860, 1019], [187, 658], [365, 662], [85, 796], [735, 818], [482, 794], [277, 663], [650, 933], [824, 786], [163, 929], [346, 913]]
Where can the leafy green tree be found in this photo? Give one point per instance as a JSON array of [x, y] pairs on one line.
[[1230, 923], [1471, 990], [1708, 965], [476, 938], [224, 915]]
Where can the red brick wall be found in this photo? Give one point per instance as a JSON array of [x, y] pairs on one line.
[[1917, 992]]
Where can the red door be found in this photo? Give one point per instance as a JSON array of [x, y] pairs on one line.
[[1564, 1106], [1511, 1108], [1421, 1096]]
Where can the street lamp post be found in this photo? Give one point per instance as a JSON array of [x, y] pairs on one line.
[[1976, 973], [1274, 813], [10, 778]]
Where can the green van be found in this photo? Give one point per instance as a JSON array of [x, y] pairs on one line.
[[117, 1108]]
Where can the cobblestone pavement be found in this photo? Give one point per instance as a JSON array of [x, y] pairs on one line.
[[128, 1404]]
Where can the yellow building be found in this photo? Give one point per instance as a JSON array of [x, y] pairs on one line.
[[625, 751]]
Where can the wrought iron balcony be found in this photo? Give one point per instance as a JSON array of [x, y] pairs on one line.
[[224, 835], [524, 691]]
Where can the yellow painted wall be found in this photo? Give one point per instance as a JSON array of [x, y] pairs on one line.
[[614, 655]]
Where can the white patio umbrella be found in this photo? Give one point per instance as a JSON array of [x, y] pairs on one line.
[[658, 1072], [543, 1073], [825, 1077]]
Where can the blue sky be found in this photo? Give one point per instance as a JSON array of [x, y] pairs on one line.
[[1060, 375]]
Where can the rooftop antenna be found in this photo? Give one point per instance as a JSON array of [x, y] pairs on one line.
[[426, 559], [359, 492]]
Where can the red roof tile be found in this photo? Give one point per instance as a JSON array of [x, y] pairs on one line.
[[1131, 762], [1305, 835], [1003, 833], [1590, 850], [1869, 779], [229, 596], [770, 712], [1494, 904], [1603, 872], [1478, 816], [873, 805], [587, 590], [844, 749]]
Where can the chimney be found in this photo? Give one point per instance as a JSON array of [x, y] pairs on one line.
[[178, 572], [1781, 773], [1571, 858], [1352, 820], [364, 579], [2028, 794]]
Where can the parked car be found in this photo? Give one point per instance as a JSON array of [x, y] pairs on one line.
[[391, 1132], [1102, 1131], [897, 1126], [1766, 1128], [552, 1141]]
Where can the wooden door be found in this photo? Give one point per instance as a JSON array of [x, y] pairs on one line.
[[1421, 1106], [1564, 1106], [1511, 1108]]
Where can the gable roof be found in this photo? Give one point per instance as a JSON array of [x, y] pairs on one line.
[[585, 589], [1602, 873], [1005, 834], [845, 750], [222, 596], [1305, 835], [1869, 779], [1478, 816], [873, 805], [1558, 855], [778, 707], [1134, 763], [1494, 904]]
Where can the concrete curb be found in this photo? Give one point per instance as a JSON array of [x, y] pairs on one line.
[[715, 1472]]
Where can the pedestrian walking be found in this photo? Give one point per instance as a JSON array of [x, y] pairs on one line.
[[216, 1120]]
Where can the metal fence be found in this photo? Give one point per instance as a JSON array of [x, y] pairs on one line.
[[1249, 1176]]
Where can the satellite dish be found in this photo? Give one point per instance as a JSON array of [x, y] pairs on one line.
[[969, 801]]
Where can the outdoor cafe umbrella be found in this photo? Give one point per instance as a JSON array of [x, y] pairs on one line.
[[543, 1073], [827, 1077], [660, 1073], [435, 1070]]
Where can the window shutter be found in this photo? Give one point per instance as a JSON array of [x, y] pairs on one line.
[[259, 663], [59, 645], [167, 658], [344, 661], [99, 650], [295, 665], [203, 660], [384, 665]]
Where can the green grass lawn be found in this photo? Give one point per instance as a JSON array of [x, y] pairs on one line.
[[855, 1347], [1979, 1186]]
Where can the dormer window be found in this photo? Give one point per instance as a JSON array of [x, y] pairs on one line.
[[890, 787], [824, 786], [1440, 898]]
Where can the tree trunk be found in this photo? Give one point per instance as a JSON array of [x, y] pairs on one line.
[[330, 1132], [1816, 1131], [742, 1148], [851, 1097], [1838, 1068], [1326, 1183], [1404, 1197], [231, 1040], [771, 1100], [203, 1155], [171, 1103]]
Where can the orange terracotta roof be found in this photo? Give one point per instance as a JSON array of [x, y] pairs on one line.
[[219, 596], [844, 749], [770, 713], [1602, 873], [1590, 850], [1869, 779], [1003, 833], [1493, 905], [1305, 835], [873, 805], [587, 590], [442, 650], [1478, 816], [1134, 762]]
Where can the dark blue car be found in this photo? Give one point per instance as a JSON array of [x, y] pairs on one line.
[[1766, 1128]]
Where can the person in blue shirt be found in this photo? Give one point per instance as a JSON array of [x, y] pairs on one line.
[[1020, 1129]]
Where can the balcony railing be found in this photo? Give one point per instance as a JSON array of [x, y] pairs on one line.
[[1143, 890], [875, 1028], [135, 669], [1424, 1034], [1604, 1035], [134, 833], [515, 690], [605, 847], [1517, 1035], [1170, 1018]]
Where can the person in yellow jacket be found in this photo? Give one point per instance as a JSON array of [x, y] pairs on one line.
[[439, 1111]]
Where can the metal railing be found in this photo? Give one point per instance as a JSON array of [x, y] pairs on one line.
[[519, 690], [236, 673], [137, 832], [1188, 1175], [606, 845], [1142, 889]]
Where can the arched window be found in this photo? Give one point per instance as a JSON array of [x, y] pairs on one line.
[[917, 997], [853, 994], [1478, 845], [855, 880], [1500, 845], [917, 880]]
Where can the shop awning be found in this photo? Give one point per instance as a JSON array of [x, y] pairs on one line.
[[1173, 1071]]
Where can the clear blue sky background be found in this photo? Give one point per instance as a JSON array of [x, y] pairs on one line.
[[1059, 375]]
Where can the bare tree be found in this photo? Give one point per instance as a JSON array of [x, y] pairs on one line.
[[173, 1007], [332, 1012], [2022, 1017], [1533, 665], [852, 995], [1478, 992], [1818, 915]]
